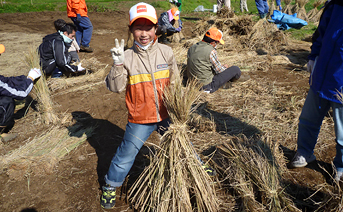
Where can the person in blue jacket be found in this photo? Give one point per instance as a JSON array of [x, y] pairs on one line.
[[263, 7], [166, 25], [326, 81], [12, 88]]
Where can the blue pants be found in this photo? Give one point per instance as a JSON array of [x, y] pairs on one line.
[[312, 115], [84, 31], [262, 6], [134, 138]]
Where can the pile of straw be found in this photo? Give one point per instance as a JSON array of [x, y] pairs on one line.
[[314, 14], [252, 168], [287, 9], [175, 179], [301, 12], [41, 89], [41, 154]]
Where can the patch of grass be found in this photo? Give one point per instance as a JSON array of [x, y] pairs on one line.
[[300, 34]]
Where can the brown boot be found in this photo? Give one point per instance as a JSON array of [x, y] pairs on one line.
[[86, 49], [5, 137]]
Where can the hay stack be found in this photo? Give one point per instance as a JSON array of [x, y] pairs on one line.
[[301, 9], [253, 169], [288, 9], [175, 180], [272, 7], [46, 105], [314, 14]]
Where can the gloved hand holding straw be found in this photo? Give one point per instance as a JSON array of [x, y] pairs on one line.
[[34, 74], [118, 52]]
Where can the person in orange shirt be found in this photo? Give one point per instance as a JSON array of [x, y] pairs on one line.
[[77, 12]]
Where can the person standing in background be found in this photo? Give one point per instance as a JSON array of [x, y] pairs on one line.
[[263, 7], [77, 12]]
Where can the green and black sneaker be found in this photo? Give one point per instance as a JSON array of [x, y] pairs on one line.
[[108, 197], [209, 170]]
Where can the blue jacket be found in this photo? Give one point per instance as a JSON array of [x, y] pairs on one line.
[[16, 87], [327, 76]]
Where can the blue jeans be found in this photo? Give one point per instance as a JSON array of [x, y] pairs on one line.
[[134, 138], [312, 115], [84, 31], [262, 6]]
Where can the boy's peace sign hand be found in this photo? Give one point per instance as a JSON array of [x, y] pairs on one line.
[[118, 52]]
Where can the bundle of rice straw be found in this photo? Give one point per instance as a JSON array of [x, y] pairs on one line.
[[253, 170], [175, 179], [301, 12], [314, 14], [287, 9], [46, 105], [41, 154]]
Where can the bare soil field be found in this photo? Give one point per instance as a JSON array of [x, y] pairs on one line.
[[74, 184]]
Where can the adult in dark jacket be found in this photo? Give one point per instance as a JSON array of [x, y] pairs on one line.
[[13, 88], [54, 56], [326, 81], [203, 63], [166, 24]]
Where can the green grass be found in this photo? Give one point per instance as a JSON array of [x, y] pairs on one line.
[[304, 32]]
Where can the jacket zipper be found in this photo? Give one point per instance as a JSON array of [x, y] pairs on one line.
[[155, 90]]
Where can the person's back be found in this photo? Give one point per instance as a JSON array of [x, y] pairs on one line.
[[199, 65]]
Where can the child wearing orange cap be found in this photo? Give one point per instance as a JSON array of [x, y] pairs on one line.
[[166, 24], [12, 88], [144, 70], [203, 63]]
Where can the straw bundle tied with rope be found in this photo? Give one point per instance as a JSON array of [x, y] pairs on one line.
[[253, 170], [287, 9], [175, 179], [45, 103], [314, 14], [300, 10]]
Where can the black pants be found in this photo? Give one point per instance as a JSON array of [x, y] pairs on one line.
[[163, 31], [7, 107], [230, 74]]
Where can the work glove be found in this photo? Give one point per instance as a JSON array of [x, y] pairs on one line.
[[178, 29], [280, 8], [118, 52], [34, 73], [80, 68], [78, 18], [310, 65]]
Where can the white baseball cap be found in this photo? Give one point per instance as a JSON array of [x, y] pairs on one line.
[[143, 10]]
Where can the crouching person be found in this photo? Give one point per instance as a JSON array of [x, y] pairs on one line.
[[166, 25], [12, 88], [203, 63]]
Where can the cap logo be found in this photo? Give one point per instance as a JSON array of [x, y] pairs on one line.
[[141, 9]]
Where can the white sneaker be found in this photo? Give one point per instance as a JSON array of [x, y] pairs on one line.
[[302, 161], [338, 176]]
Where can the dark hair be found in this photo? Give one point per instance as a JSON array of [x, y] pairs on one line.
[[63, 26], [208, 39], [59, 23]]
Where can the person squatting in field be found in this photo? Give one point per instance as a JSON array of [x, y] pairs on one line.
[[203, 63], [326, 81], [55, 59], [12, 88], [166, 24], [144, 70]]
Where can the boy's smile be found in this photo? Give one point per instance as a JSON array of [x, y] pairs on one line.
[[143, 31]]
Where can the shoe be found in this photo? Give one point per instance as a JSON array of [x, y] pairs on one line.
[[302, 161], [5, 137], [108, 197], [209, 170], [86, 49]]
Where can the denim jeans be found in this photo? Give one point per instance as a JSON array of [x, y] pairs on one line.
[[134, 138], [84, 31], [312, 115], [262, 6]]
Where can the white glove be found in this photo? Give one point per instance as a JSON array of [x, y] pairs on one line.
[[80, 68], [310, 66], [34, 73], [118, 52]]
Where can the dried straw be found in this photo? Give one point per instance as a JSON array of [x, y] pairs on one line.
[[301, 9], [46, 105], [175, 180], [44, 152], [287, 9]]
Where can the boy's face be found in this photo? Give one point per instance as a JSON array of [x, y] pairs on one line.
[[71, 35], [143, 31]]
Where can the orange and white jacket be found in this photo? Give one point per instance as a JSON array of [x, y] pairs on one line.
[[76, 7], [144, 74]]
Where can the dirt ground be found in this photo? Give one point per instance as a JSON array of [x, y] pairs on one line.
[[75, 183]]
